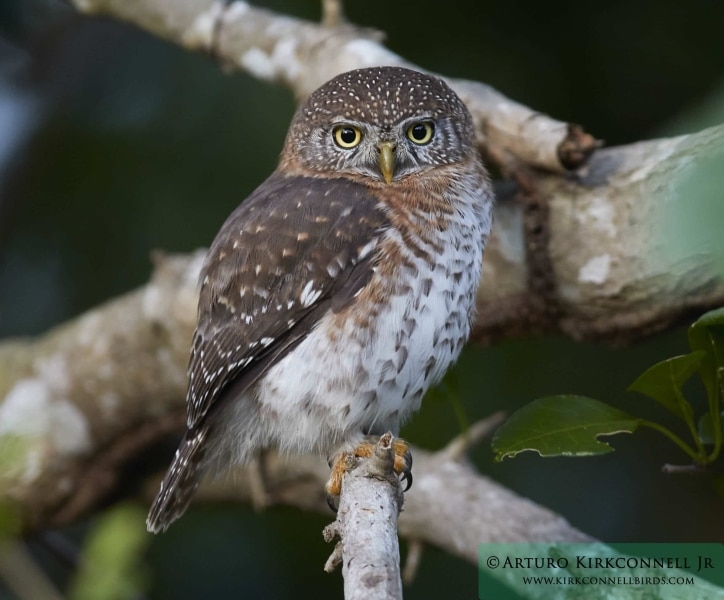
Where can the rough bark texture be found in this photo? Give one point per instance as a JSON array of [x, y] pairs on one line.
[[573, 251], [78, 401], [82, 401], [366, 525], [302, 55], [573, 242], [450, 506], [584, 255]]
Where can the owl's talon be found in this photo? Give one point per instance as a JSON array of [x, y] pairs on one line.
[[403, 462], [407, 480], [330, 501], [333, 487], [341, 463]]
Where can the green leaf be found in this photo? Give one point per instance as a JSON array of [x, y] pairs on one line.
[[706, 428], [707, 334], [561, 426], [663, 382], [711, 319]]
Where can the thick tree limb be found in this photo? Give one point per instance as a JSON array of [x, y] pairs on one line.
[[585, 255], [450, 506], [303, 55], [109, 383], [570, 254], [78, 438], [78, 403], [578, 254]]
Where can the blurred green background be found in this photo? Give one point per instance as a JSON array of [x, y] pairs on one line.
[[114, 143]]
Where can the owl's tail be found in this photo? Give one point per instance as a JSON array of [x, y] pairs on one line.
[[180, 482]]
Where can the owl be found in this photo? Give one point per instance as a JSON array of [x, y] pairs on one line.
[[342, 288]]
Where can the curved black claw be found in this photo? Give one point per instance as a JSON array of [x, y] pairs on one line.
[[330, 502], [406, 474]]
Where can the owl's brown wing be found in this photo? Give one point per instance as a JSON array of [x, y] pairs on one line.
[[296, 248]]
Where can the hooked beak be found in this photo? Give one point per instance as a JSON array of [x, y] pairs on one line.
[[386, 160]]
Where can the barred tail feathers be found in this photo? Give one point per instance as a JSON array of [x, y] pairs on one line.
[[180, 482]]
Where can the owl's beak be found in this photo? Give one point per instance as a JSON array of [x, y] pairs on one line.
[[386, 160]]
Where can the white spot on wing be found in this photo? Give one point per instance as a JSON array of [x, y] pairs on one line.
[[261, 292], [366, 249], [309, 295]]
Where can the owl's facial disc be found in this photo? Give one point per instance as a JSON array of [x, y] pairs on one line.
[[386, 151]]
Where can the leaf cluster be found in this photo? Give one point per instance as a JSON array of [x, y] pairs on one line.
[[569, 425]]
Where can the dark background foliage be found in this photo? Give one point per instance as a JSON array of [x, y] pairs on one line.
[[114, 143]]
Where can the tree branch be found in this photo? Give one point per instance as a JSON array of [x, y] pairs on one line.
[[569, 254], [450, 506], [586, 255], [302, 55], [79, 401], [75, 402], [82, 401], [366, 526], [578, 254]]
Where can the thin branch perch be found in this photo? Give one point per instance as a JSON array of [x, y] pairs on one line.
[[367, 527]]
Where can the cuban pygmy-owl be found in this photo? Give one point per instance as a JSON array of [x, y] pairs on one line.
[[337, 293]]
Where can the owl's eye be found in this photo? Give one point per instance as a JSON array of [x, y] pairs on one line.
[[421, 133], [346, 136]]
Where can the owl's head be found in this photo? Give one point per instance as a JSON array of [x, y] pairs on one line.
[[385, 123]]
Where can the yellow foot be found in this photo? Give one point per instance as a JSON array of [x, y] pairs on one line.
[[344, 461]]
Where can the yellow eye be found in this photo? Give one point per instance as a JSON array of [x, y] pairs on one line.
[[421, 133], [347, 136]]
